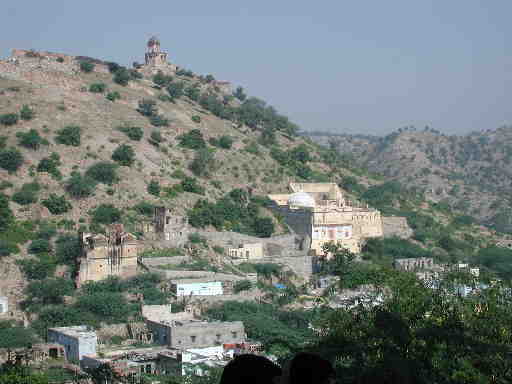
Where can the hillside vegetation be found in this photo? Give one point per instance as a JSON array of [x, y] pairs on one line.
[[469, 173]]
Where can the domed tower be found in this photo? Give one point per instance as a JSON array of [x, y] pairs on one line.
[[154, 56]]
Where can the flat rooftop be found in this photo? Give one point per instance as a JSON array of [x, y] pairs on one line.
[[81, 331]]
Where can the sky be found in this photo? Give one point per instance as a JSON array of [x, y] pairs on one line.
[[359, 66]]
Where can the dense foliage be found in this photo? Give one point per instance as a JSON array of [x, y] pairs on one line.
[[235, 211]]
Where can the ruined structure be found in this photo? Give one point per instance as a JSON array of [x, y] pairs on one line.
[[247, 251], [414, 264], [33, 355], [154, 56], [113, 254], [320, 212], [169, 227]]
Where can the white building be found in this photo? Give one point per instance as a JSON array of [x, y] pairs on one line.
[[184, 288], [78, 340], [4, 305]]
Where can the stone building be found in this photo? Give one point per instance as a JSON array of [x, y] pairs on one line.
[[247, 251], [414, 264], [170, 227], [155, 57], [183, 331], [113, 254], [320, 212], [35, 354], [77, 340]]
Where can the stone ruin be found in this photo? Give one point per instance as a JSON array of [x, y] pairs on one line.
[[113, 254]]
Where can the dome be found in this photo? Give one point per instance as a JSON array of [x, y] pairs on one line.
[[153, 41], [301, 199]]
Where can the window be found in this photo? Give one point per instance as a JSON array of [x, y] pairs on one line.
[[218, 336], [193, 339], [234, 334]]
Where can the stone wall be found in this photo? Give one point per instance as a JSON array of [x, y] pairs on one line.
[[396, 226], [284, 245]]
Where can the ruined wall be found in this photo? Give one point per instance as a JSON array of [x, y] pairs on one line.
[[396, 226]]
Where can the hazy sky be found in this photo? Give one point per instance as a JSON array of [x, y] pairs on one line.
[[355, 66]]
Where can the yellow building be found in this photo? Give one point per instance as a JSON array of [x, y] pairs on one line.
[[320, 212]]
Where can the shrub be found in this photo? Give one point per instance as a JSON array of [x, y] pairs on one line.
[[86, 66], [38, 269], [79, 186], [30, 139], [203, 163], [189, 184], [27, 194], [154, 188], [144, 208], [113, 96], [97, 87], [159, 121], [9, 118], [67, 249], [6, 215], [263, 226], [134, 133], [193, 93], [193, 139], [242, 285], [175, 90], [122, 77], [225, 142], [10, 159], [50, 291], [38, 246], [124, 155], [46, 231], [108, 306], [50, 165], [147, 107], [106, 214], [26, 113], [103, 172], [5, 249], [57, 204], [69, 135], [161, 79], [240, 94], [196, 119], [113, 67], [156, 138], [60, 59]]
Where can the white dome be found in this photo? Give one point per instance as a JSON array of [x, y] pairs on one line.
[[301, 199]]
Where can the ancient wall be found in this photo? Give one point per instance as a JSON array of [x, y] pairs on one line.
[[396, 226]]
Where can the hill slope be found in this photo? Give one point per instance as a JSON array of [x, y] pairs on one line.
[[469, 173]]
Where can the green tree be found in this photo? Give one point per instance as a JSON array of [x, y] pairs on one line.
[[51, 165], [69, 135], [263, 226], [106, 214], [79, 186], [124, 155], [26, 113], [147, 107], [98, 87], [10, 159], [27, 194], [122, 77], [9, 119], [203, 163], [240, 94], [86, 66], [192, 140], [134, 133], [154, 188], [175, 90], [30, 139], [6, 215], [103, 172], [57, 205]]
